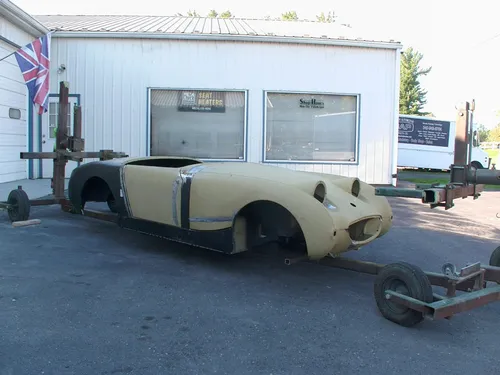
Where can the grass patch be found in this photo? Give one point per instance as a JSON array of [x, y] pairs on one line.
[[493, 154], [443, 181]]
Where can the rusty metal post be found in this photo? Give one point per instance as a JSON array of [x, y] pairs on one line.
[[462, 132], [62, 124], [77, 123], [61, 138]]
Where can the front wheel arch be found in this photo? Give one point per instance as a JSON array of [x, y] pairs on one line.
[[265, 217]]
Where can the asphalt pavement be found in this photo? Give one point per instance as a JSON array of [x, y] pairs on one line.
[[80, 296]]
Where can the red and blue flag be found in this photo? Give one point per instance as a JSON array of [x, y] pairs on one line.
[[34, 62]]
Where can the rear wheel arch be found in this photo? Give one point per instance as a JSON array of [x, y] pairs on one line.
[[97, 189]]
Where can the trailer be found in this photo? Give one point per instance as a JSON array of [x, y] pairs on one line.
[[428, 143], [403, 292]]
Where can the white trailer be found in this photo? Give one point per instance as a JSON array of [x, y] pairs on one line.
[[428, 143]]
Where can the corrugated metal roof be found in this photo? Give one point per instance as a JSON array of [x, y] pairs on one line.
[[178, 25]]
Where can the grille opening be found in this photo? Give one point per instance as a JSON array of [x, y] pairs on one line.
[[364, 230], [320, 192]]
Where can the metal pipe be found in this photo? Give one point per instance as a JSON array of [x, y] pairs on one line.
[[399, 192], [77, 122], [471, 134], [483, 176]]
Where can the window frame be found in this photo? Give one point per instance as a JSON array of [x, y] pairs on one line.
[[245, 119], [14, 109], [329, 162], [70, 115]]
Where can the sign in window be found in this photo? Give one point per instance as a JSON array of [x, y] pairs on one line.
[[311, 127], [203, 124]]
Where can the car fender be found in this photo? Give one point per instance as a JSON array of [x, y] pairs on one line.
[[228, 195], [108, 172]]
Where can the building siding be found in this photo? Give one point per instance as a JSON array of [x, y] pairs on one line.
[[13, 94], [113, 77]]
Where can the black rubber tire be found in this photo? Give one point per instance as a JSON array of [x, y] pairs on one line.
[[112, 204], [413, 282], [21, 205], [495, 257]]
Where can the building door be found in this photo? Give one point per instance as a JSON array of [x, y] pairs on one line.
[[49, 124], [13, 116]]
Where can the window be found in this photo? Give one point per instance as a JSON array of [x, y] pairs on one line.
[[476, 142], [199, 124], [53, 118], [14, 113], [311, 127]]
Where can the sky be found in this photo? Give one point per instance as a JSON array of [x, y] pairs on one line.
[[460, 40]]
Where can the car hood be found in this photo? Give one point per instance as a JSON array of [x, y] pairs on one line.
[[260, 171], [306, 181]]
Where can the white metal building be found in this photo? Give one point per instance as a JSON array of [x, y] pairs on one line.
[[301, 95], [16, 30]]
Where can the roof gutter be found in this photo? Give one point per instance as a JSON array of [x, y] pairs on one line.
[[20, 18], [232, 38]]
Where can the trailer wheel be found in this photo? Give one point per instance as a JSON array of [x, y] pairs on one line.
[[19, 209], [406, 279], [495, 257]]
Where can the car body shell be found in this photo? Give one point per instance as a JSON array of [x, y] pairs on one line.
[[211, 204]]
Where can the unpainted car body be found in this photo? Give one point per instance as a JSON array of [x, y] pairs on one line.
[[232, 207]]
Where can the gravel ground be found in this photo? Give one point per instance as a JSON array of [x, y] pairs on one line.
[[79, 296]]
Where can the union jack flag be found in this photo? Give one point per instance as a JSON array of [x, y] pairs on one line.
[[34, 62]]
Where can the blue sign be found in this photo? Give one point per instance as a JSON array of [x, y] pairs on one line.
[[424, 132]]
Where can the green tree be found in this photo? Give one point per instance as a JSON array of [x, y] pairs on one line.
[[289, 16], [412, 97], [226, 14], [212, 14], [329, 18], [494, 134], [484, 132], [192, 13]]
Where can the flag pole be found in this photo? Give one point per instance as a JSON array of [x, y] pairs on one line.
[[10, 54], [5, 57]]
